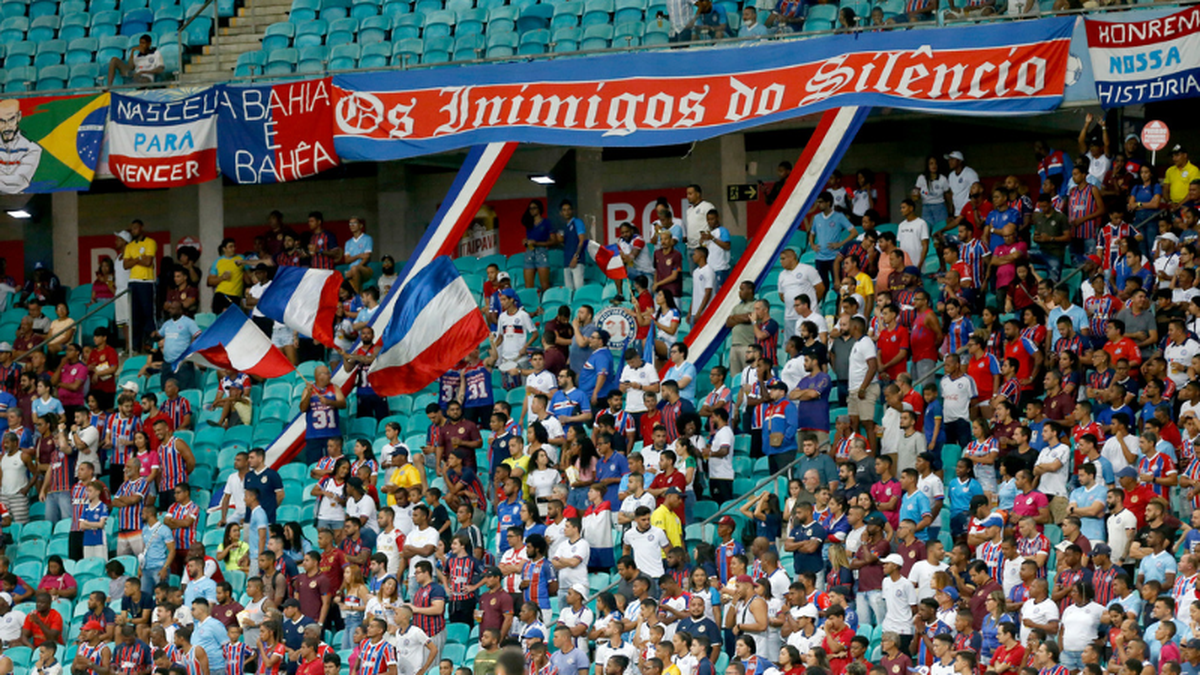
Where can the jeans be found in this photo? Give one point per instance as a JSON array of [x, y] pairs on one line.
[[150, 578], [58, 506], [870, 607], [353, 620], [934, 213], [923, 371], [1053, 263], [825, 270], [958, 432], [141, 313], [573, 276]]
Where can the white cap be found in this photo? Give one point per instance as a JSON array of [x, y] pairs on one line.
[[131, 387], [895, 559], [5, 347], [581, 589], [6, 598], [955, 155], [503, 276], [124, 234], [809, 610], [1169, 236]]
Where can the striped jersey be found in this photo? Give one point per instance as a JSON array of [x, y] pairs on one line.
[[171, 464], [539, 574], [1102, 581], [1193, 472], [769, 344], [177, 409], [1185, 587], [127, 659], [432, 624], [191, 662], [99, 420], [959, 333], [1028, 548], [1160, 466], [991, 555], [93, 654], [461, 571], [670, 414], [61, 471], [973, 253], [186, 535], [236, 654], [1106, 244], [375, 659], [121, 429], [1100, 309], [322, 241], [759, 390], [79, 502], [1011, 390], [842, 449], [1081, 200], [280, 650]]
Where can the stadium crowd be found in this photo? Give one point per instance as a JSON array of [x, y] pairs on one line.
[[982, 418]]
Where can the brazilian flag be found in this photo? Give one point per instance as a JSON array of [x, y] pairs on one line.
[[51, 144]]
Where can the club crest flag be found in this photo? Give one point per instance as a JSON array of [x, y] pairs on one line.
[[50, 144], [276, 133], [163, 143]]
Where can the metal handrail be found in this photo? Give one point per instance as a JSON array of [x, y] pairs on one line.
[[723, 42], [75, 326]]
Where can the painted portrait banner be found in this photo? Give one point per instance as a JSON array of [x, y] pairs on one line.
[[655, 98], [1137, 62], [50, 144]]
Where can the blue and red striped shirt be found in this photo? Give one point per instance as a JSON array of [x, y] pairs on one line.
[[461, 571], [432, 624], [539, 574], [184, 536], [725, 552], [1160, 466], [322, 242], [1102, 581], [1081, 200], [235, 654], [129, 518], [121, 429], [174, 470], [177, 409]]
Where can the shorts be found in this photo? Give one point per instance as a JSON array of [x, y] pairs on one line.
[[537, 258], [863, 408], [282, 336], [1072, 661], [1058, 509], [243, 411]]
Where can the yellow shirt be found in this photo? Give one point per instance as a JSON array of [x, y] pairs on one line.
[[234, 266], [137, 249], [1177, 181], [521, 463], [666, 520], [404, 477], [865, 286]]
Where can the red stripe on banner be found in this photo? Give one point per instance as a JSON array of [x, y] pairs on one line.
[[327, 313], [412, 377], [273, 363], [1131, 34], [444, 240], [164, 172]]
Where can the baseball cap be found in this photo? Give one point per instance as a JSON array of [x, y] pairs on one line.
[[534, 634], [503, 276], [1101, 549], [7, 598], [91, 625], [955, 155], [400, 450], [950, 591], [912, 269], [1132, 137], [1178, 147], [581, 589], [778, 384], [1192, 644], [124, 234], [672, 491], [291, 602], [727, 520], [809, 610], [895, 559], [1127, 472], [744, 579], [1169, 236], [509, 293], [131, 387], [492, 572], [1094, 259], [876, 520], [1062, 546], [5, 347]]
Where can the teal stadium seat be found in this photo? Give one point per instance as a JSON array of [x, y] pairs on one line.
[[72, 27], [43, 28], [84, 75], [407, 51], [278, 36], [501, 44], [53, 77], [470, 22], [304, 10], [310, 33], [468, 47], [373, 29], [19, 80], [628, 11], [341, 32], [363, 9], [282, 61], [40, 8], [598, 12], [375, 55], [532, 43], [13, 8], [438, 24], [312, 59], [13, 28], [50, 53], [408, 26], [20, 54], [81, 50], [249, 63], [534, 17], [344, 57], [627, 35], [437, 49], [111, 46], [137, 22], [567, 15], [397, 8]]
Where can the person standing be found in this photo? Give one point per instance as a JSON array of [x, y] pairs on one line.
[[177, 334], [226, 277], [829, 233], [320, 404], [573, 238], [139, 259], [429, 606]]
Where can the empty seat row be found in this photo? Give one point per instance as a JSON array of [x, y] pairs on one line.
[[29, 78]]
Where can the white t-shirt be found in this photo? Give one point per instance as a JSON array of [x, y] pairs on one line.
[[1039, 612], [543, 382], [388, 544], [816, 318], [256, 292], [365, 510], [956, 397], [1111, 450], [1168, 264], [703, 279], [635, 401], [631, 503], [1054, 483], [419, 538], [721, 468], [718, 258], [410, 649], [898, 599], [10, 626], [1181, 354], [146, 62], [578, 574], [235, 487], [800, 280], [329, 509], [515, 330], [793, 371], [695, 221], [1080, 625], [804, 643], [933, 191], [1010, 573], [960, 186], [1119, 527], [909, 235], [542, 481], [854, 539], [647, 549], [932, 486], [921, 575], [862, 350], [570, 618]]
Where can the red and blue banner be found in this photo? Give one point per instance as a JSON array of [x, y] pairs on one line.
[[680, 96], [289, 299], [163, 143], [276, 133], [234, 342], [1137, 62]]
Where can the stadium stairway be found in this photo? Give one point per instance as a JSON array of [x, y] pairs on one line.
[[243, 34]]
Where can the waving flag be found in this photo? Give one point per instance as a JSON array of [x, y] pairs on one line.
[[234, 342], [821, 155], [435, 324], [474, 181], [607, 259], [304, 300]]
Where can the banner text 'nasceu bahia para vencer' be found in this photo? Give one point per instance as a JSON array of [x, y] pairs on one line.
[[656, 98]]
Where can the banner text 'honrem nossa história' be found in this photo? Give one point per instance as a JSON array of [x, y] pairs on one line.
[[1145, 61], [685, 95]]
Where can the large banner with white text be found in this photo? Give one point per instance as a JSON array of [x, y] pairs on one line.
[[275, 133], [163, 143], [678, 96], [1146, 61]]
